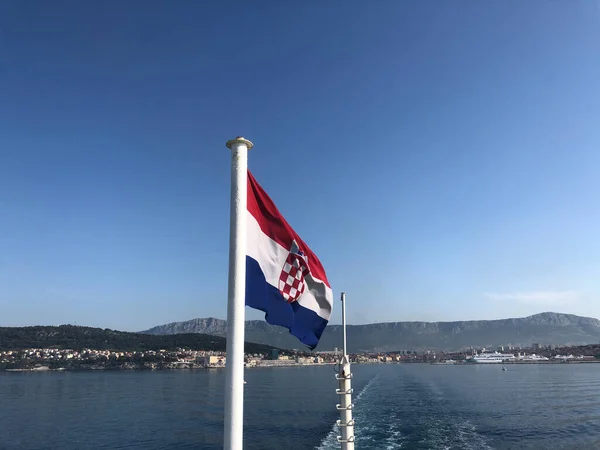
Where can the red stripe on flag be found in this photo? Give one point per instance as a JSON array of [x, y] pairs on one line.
[[274, 225]]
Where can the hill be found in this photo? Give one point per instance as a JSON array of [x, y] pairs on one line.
[[77, 338], [544, 328]]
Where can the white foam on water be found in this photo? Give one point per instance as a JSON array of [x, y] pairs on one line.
[[443, 436], [373, 430], [470, 438], [394, 439], [330, 441]]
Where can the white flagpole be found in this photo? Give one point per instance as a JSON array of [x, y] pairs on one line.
[[234, 370], [344, 390]]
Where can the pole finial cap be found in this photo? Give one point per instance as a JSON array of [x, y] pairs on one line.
[[239, 140]]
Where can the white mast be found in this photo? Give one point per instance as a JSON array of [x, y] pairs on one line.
[[344, 390], [236, 297]]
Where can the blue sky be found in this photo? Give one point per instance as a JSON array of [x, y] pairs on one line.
[[441, 158]]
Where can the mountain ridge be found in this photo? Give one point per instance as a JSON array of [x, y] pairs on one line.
[[77, 337], [543, 328]]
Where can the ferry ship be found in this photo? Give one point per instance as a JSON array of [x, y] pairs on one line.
[[493, 358]]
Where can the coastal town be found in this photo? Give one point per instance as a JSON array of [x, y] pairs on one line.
[[89, 359], [42, 359]]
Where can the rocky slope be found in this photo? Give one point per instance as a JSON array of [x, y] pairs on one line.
[[543, 328]]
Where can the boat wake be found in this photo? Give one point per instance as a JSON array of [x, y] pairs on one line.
[[330, 441], [399, 412]]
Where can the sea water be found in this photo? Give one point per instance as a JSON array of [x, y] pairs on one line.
[[407, 406]]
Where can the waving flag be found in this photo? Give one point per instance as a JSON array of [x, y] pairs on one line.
[[284, 278]]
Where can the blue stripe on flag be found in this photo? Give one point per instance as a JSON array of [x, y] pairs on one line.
[[302, 322]]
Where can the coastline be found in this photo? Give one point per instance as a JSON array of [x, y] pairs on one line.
[[45, 369], [512, 363]]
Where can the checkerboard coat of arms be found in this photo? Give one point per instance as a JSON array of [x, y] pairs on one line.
[[292, 278]]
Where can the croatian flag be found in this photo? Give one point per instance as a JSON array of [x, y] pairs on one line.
[[284, 278]]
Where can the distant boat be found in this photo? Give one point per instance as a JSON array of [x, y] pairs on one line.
[[503, 368], [493, 358]]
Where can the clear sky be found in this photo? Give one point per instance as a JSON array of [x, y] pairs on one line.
[[441, 158]]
